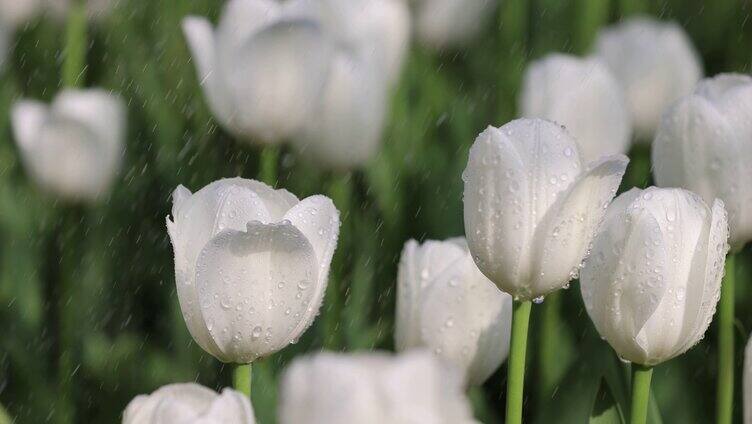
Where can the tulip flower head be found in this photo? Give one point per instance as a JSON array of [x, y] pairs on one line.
[[445, 304], [372, 388], [189, 403], [583, 95], [376, 30], [450, 23], [263, 69], [656, 65], [532, 205], [703, 145], [72, 148], [652, 280], [251, 265]]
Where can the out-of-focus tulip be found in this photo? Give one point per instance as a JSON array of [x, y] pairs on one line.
[[378, 30], [263, 70], [532, 205], [74, 147], [16, 12], [373, 388], [652, 280], [748, 383], [450, 23], [445, 304], [345, 128], [704, 144], [582, 95], [251, 265], [189, 403], [655, 63]]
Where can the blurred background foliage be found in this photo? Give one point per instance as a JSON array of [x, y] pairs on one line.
[[101, 278]]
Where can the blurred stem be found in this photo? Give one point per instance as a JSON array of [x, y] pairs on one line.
[[550, 343], [516, 363], [725, 389], [74, 65], [641, 375], [513, 28], [242, 377], [590, 16], [269, 164], [340, 190]]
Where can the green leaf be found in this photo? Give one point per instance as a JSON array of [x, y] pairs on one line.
[[605, 409]]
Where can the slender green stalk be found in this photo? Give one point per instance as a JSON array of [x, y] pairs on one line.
[[74, 65], [340, 190], [241, 379], [550, 343], [516, 361], [268, 171], [725, 389], [641, 375]]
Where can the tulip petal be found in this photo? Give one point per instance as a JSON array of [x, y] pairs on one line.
[[230, 407], [256, 287], [278, 77], [317, 219], [102, 112], [142, 409], [27, 117], [201, 40], [460, 309], [241, 19], [565, 235], [496, 202]]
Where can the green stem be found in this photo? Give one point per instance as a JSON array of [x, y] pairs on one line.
[[550, 343], [74, 65], [268, 166], [725, 389], [516, 361], [340, 190], [241, 379], [641, 375]]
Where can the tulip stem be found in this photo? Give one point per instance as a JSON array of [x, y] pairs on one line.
[[550, 344], [74, 65], [268, 167], [641, 375], [725, 390], [241, 379], [516, 363]]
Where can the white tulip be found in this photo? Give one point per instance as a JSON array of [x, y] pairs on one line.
[[263, 69], [372, 388], [74, 147], [653, 278], [378, 30], [704, 144], [189, 403], [747, 405], [346, 127], [532, 205], [655, 63], [445, 304], [583, 95], [14, 13], [450, 23], [251, 265]]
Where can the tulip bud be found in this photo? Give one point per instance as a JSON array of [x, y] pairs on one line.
[[372, 388], [656, 65], [346, 126], [189, 403], [251, 265], [263, 69], [703, 145], [74, 147], [450, 23], [445, 304], [378, 30], [652, 280], [532, 206], [582, 95]]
